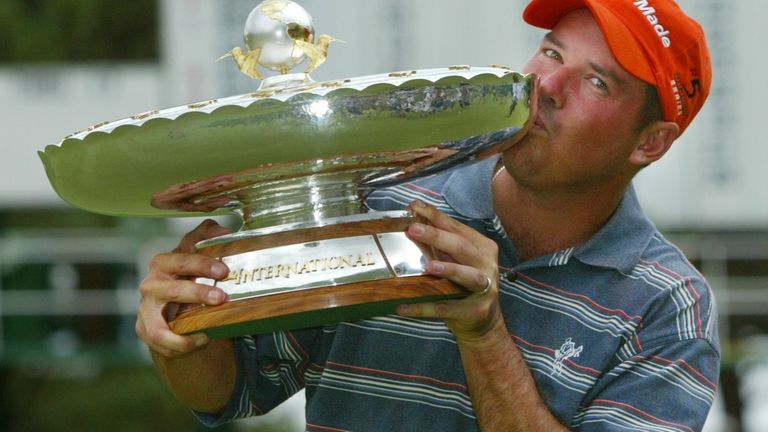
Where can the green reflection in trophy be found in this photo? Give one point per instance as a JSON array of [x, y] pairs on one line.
[[295, 160]]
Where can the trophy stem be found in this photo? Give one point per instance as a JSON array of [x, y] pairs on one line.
[[303, 204], [306, 200]]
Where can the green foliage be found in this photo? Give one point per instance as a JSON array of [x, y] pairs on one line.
[[118, 399], [77, 30]]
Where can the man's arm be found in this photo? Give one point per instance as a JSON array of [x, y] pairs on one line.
[[202, 380], [502, 389], [200, 372]]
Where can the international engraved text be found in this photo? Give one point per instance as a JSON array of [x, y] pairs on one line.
[[288, 270]]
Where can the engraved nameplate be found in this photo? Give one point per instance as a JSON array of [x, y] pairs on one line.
[[302, 266]]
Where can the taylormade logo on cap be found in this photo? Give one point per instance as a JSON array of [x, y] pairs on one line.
[[650, 14]]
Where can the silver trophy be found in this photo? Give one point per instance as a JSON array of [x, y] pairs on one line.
[[295, 160]]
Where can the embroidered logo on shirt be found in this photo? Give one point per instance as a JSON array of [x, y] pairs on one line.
[[567, 350]]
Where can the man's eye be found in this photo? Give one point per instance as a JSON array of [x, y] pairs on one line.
[[600, 84], [549, 52]]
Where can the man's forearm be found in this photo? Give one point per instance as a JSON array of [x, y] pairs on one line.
[[502, 389], [202, 380]]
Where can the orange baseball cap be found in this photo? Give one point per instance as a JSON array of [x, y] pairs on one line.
[[653, 40]]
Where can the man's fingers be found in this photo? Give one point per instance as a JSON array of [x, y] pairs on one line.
[[440, 220], [472, 263], [449, 237], [152, 328], [170, 286], [474, 252], [468, 277], [174, 264], [206, 230], [456, 313], [182, 291], [473, 308]]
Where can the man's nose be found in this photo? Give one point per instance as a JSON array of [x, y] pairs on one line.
[[553, 86]]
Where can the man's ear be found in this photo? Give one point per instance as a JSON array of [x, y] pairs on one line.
[[653, 142]]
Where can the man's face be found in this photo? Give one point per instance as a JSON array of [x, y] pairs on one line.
[[588, 105]]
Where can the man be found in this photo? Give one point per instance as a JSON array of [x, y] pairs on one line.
[[597, 322]]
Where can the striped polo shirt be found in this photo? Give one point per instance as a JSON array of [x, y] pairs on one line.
[[619, 333]]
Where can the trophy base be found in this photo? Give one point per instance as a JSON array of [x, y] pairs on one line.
[[312, 308], [347, 269]]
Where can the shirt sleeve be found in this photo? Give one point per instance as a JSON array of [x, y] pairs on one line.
[[270, 369], [670, 387]]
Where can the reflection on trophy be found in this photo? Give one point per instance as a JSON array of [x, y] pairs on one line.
[[295, 160]]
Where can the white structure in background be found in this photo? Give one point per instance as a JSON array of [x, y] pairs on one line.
[[715, 176]]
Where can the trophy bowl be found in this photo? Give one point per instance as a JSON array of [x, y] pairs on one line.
[[295, 161]]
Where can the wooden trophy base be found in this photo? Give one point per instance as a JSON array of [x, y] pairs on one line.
[[302, 307]]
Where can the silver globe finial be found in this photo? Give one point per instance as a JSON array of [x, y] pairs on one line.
[[279, 34]]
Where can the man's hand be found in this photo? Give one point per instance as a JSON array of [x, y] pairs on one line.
[[170, 285], [503, 392], [467, 258]]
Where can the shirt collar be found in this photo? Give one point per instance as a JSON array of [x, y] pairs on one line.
[[618, 244], [468, 189], [621, 241]]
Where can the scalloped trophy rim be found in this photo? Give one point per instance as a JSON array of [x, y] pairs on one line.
[[287, 95], [72, 185]]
